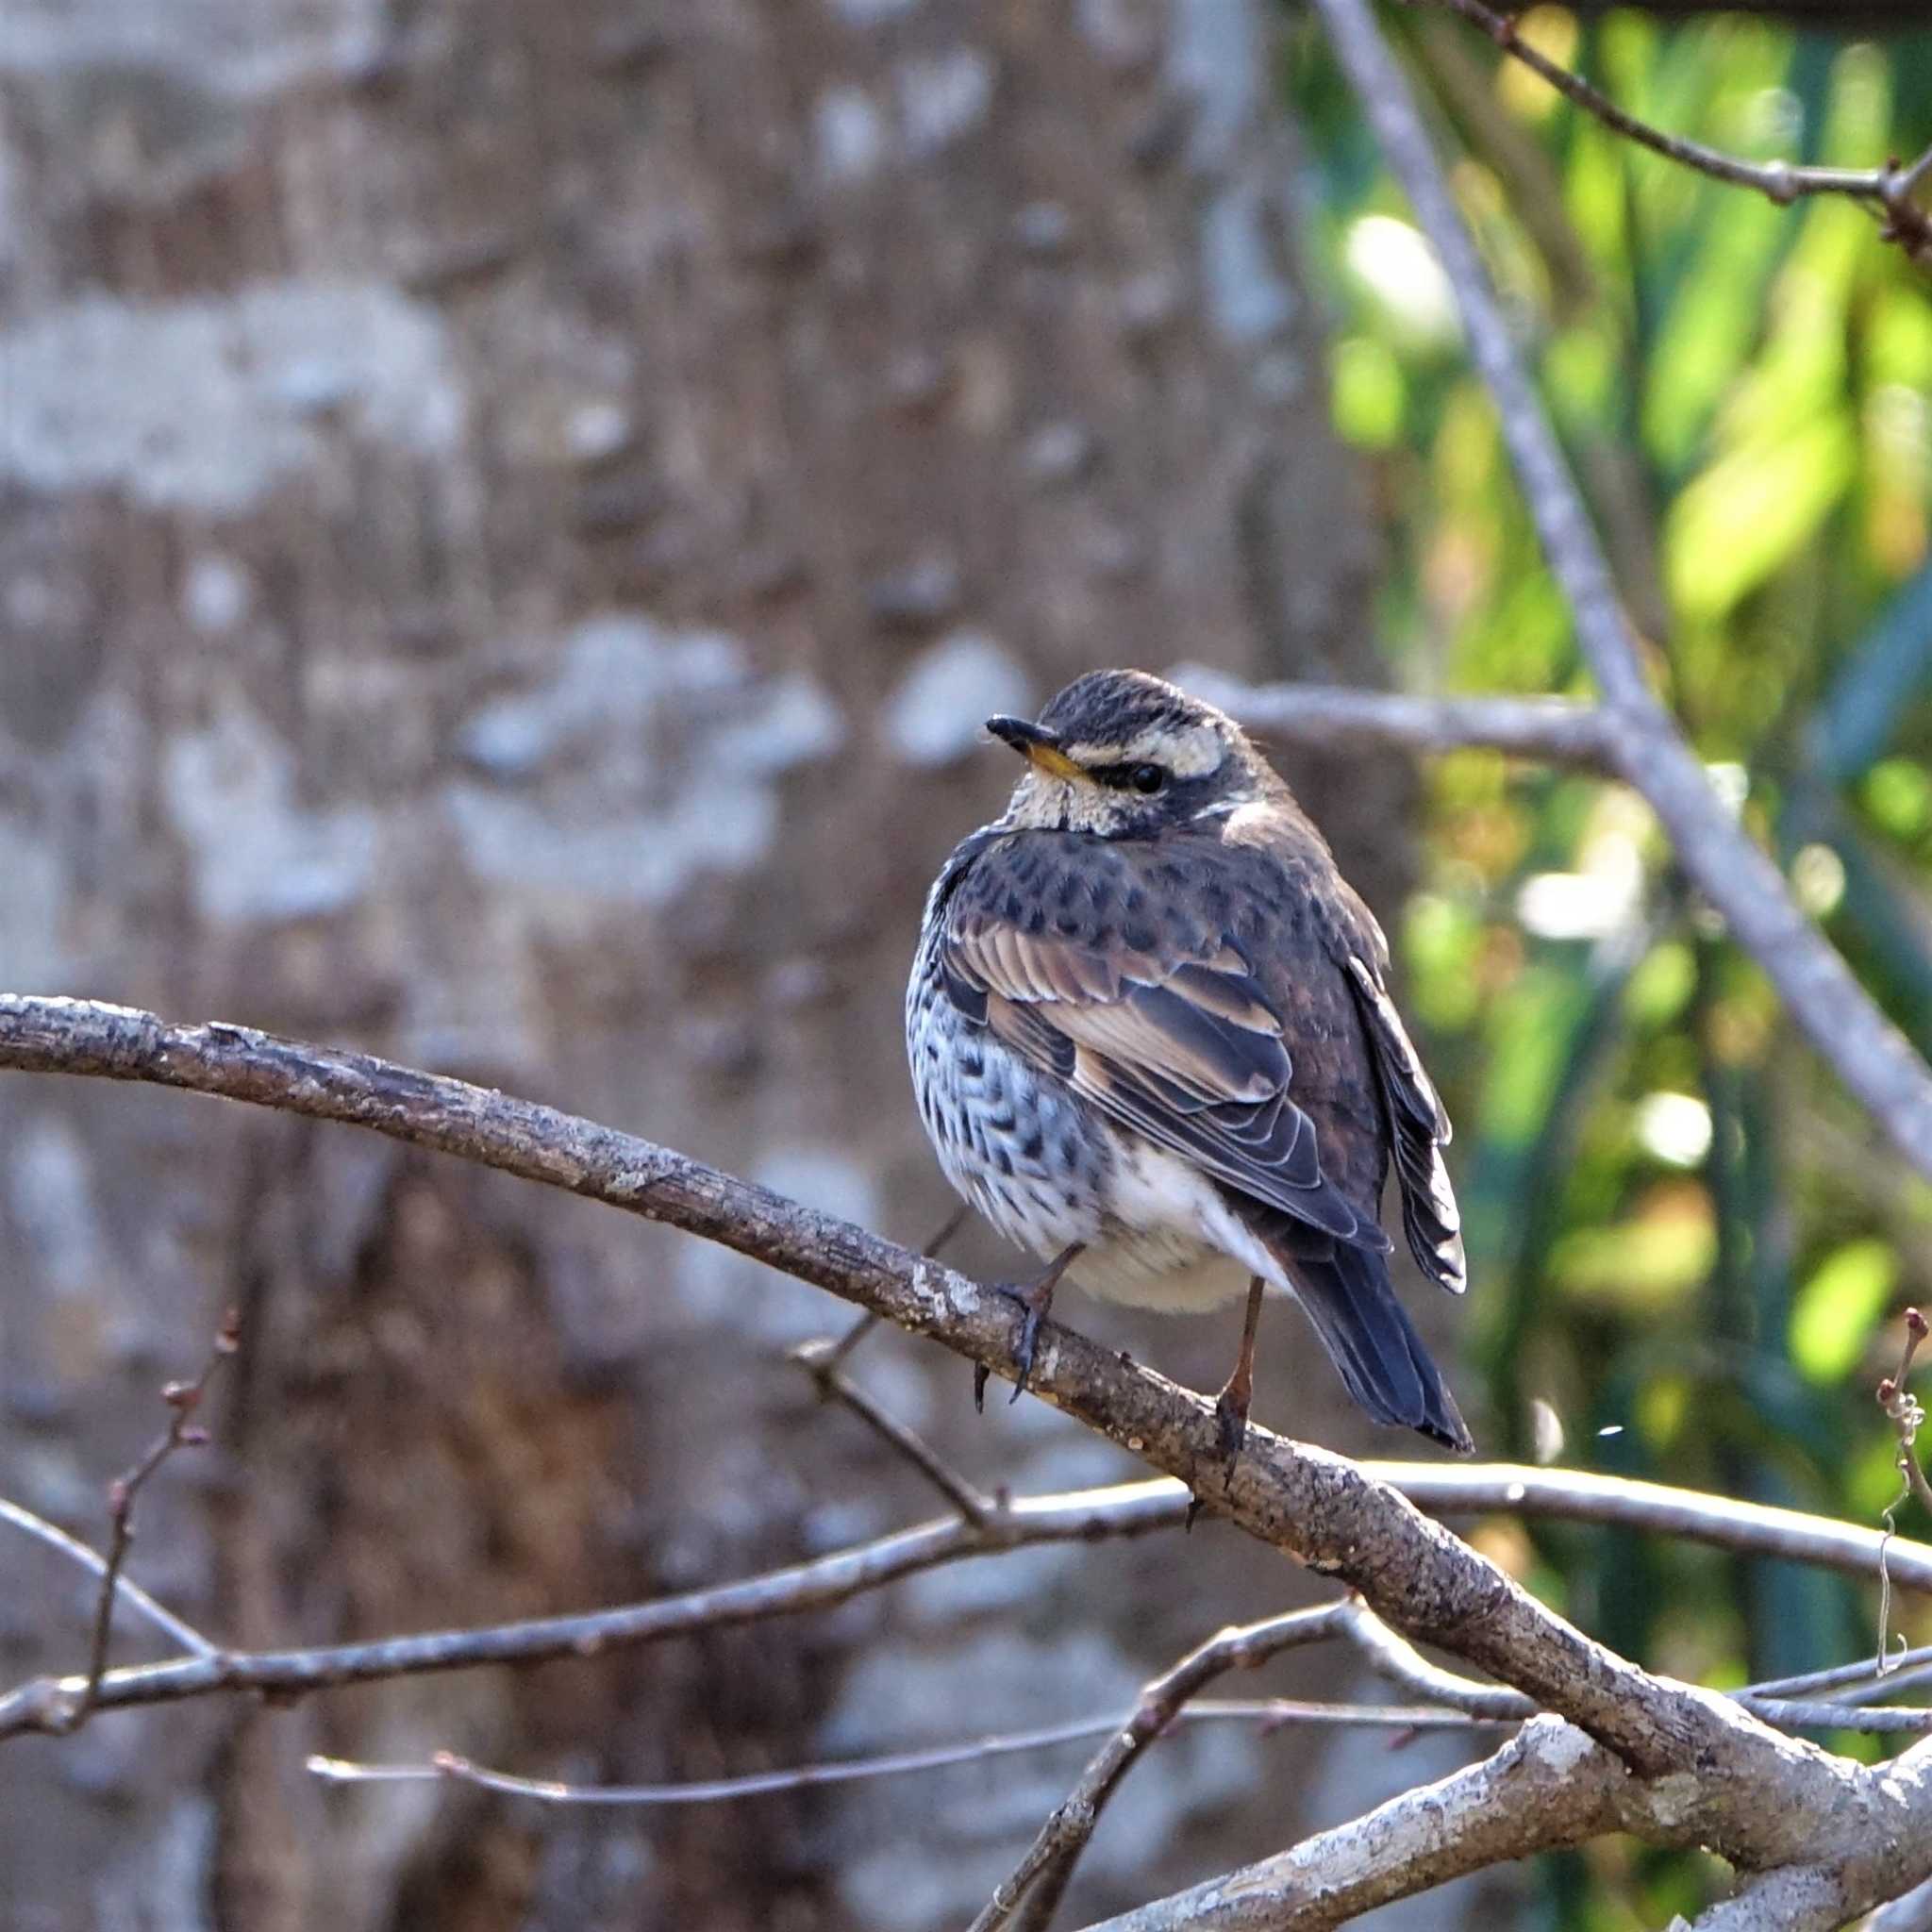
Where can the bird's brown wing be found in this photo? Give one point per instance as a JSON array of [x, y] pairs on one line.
[[1164, 982]]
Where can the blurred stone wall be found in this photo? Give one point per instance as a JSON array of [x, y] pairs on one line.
[[511, 516]]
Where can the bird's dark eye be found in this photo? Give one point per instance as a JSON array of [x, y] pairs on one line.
[[1147, 780]]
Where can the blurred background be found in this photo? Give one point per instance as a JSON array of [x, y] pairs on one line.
[[510, 518]]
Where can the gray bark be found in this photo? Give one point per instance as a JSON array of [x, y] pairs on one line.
[[513, 515]]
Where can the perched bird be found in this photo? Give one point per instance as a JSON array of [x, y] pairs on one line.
[[1151, 1038]]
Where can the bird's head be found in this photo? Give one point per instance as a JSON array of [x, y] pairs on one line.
[[1122, 754]]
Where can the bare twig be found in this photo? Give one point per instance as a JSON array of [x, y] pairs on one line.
[[1889, 191], [1122, 1509], [1269, 1713], [1578, 1495], [183, 1400], [1843, 1022], [1050, 1859], [131, 1593], [1080, 1517], [818, 1359], [1563, 731]]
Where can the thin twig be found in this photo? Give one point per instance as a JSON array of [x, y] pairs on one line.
[[1121, 1509], [1080, 1516], [1396, 1659], [183, 1400], [1888, 189], [817, 1358], [1268, 1713], [1564, 731], [136, 1598], [1049, 1860]]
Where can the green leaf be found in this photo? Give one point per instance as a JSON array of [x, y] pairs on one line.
[[1745, 516], [1836, 1311]]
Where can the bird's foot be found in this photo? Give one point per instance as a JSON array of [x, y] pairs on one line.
[[1035, 1298], [1231, 1424], [1238, 1392]]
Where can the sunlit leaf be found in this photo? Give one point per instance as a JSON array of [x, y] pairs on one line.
[[1369, 391], [1646, 1263], [1741, 519], [1836, 1311]]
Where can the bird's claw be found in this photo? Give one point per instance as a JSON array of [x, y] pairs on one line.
[[1029, 1336], [1231, 1425]]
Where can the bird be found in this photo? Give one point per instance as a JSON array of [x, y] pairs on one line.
[[1151, 1038]]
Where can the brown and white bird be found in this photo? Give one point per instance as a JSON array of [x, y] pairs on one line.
[[1151, 1038]]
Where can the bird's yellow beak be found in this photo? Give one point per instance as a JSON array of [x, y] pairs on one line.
[[1035, 744]]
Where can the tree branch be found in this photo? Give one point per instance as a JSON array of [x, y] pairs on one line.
[[1888, 189], [1561, 731], [183, 1400], [1719, 1765], [1080, 1517], [1841, 1019], [1049, 1860], [136, 1598], [1548, 1787]]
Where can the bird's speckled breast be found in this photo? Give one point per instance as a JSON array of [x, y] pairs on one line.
[[1037, 1161]]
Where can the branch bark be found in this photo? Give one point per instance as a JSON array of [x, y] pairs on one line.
[[1710, 1771]]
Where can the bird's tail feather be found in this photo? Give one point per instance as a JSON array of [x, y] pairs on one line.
[[1346, 1293]]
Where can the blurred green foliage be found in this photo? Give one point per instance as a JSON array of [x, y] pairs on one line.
[[1689, 1249]]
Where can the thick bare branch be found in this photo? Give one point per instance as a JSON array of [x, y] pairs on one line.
[[1843, 1022], [1719, 1762], [1316, 1506], [1548, 1787]]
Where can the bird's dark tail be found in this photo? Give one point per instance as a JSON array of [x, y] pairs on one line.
[[1347, 1294]]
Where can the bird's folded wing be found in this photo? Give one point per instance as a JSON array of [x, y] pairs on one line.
[[1157, 1021], [1421, 1129]]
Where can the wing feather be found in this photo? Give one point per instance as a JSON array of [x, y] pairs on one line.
[[1421, 1126], [1154, 1014]]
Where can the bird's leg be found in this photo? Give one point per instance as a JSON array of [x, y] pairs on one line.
[[1036, 1298], [1231, 1409]]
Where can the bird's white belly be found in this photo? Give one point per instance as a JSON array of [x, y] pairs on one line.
[[1167, 1240]]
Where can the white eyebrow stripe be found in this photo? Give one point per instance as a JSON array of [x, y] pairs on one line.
[[1192, 753]]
